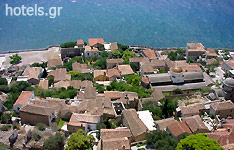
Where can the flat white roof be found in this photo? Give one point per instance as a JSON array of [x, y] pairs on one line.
[[147, 119]]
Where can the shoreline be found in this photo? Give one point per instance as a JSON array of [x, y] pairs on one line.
[[131, 46]]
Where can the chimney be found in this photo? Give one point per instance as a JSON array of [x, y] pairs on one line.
[[124, 147], [229, 130]]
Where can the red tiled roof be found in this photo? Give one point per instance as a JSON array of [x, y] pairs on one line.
[[150, 54], [145, 80], [95, 41], [112, 72], [195, 46], [222, 136], [24, 98], [80, 42], [179, 128], [125, 69]]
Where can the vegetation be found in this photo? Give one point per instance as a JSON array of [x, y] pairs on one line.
[[189, 60], [61, 122], [5, 118], [177, 55], [134, 80], [80, 140], [123, 86], [226, 75], [81, 76], [5, 127], [160, 140], [61, 93], [41, 126], [3, 81], [15, 59], [55, 142], [36, 135], [116, 54], [43, 65], [68, 65], [126, 55], [68, 45], [161, 71], [16, 126], [177, 91], [3, 146], [198, 141], [100, 64], [164, 111]]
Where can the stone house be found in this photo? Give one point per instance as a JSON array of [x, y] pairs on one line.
[[195, 50], [125, 70], [71, 52], [80, 43], [164, 123], [34, 114], [100, 75], [33, 74], [82, 68], [133, 122], [96, 42], [190, 110], [91, 52], [113, 74], [228, 65], [150, 54], [178, 128], [223, 109], [54, 63], [111, 63], [196, 124], [23, 100], [60, 75]]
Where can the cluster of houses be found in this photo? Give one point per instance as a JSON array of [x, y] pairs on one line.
[[89, 108]]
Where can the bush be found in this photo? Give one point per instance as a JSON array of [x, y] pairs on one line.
[[5, 127], [36, 136], [5, 118], [3, 81], [15, 59], [54, 142], [68, 45], [41, 126], [177, 91], [16, 126]]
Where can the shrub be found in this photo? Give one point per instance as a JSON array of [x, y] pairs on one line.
[[68, 45], [15, 59], [16, 126], [177, 91], [41, 126], [5, 118], [5, 127], [55, 142], [3, 81], [36, 136]]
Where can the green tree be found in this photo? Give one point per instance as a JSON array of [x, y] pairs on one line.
[[55, 142], [116, 54], [225, 75], [198, 141], [134, 80], [177, 91], [68, 45], [15, 59], [41, 126], [189, 60], [160, 140], [122, 47], [3, 81], [168, 107], [50, 80], [153, 107], [128, 54], [80, 140], [100, 63]]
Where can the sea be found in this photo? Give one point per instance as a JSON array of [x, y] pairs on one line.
[[156, 23]]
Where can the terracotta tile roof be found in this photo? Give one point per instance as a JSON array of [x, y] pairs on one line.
[[150, 54], [229, 123], [36, 109], [32, 72], [114, 46], [195, 123], [222, 136], [112, 72], [195, 46], [82, 68], [170, 63], [94, 41], [116, 144], [60, 74], [147, 69], [76, 84], [94, 50], [177, 128], [77, 124], [114, 61], [24, 98], [97, 73], [87, 48], [230, 63], [125, 69], [60, 84], [90, 92], [112, 94], [211, 52], [164, 123], [145, 80], [113, 133], [210, 61], [139, 59], [188, 67], [54, 62], [158, 63], [131, 95], [135, 124], [157, 95], [86, 83], [222, 105], [84, 118], [192, 109], [80, 42], [44, 84]]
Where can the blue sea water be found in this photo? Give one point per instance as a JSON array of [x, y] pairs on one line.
[[157, 23]]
